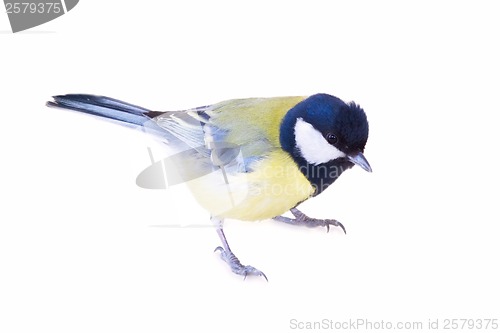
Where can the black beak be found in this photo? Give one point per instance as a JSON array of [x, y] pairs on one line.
[[359, 159]]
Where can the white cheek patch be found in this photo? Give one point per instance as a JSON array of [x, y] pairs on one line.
[[312, 145]]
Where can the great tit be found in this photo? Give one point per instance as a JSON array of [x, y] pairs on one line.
[[249, 159]]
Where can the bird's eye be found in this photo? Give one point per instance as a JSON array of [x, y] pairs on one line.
[[331, 138]]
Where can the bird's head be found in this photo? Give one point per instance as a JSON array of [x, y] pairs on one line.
[[322, 129]]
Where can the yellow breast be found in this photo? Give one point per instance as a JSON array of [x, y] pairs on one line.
[[275, 186]]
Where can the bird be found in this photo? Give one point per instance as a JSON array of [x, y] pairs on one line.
[[249, 159]]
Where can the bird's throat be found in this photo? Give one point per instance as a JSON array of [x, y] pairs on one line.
[[322, 175]]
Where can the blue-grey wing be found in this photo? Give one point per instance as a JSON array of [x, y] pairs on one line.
[[198, 147]]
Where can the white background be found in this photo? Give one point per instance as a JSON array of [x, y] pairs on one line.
[[79, 250]]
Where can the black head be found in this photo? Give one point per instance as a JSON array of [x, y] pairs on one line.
[[323, 132]]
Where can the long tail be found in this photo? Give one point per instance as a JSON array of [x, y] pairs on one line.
[[105, 107]]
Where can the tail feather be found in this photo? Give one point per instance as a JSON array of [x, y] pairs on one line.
[[104, 107]]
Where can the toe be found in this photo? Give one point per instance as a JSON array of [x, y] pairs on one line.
[[250, 270]]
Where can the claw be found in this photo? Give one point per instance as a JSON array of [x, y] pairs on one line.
[[334, 223], [303, 219], [342, 226], [253, 271], [236, 265]]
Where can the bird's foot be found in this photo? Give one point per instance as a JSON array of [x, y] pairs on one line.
[[303, 219], [236, 266]]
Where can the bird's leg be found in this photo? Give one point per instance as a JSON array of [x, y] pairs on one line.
[[228, 256], [303, 219]]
